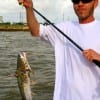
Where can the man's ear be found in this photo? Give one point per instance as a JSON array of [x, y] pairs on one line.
[[96, 3]]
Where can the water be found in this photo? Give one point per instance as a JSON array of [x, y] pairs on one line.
[[41, 59]]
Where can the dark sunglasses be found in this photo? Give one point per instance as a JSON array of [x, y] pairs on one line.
[[83, 1]]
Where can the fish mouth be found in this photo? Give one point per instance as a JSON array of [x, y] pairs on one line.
[[23, 57]]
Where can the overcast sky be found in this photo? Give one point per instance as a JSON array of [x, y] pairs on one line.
[[55, 10]]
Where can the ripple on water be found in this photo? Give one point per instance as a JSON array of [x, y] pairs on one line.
[[41, 59]]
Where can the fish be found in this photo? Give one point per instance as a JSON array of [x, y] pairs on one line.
[[23, 76]]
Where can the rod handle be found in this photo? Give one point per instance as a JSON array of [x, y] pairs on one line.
[[21, 3], [97, 63]]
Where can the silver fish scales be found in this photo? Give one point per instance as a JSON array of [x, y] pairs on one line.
[[23, 76]]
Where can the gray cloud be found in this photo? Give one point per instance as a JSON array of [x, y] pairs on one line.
[[54, 10]]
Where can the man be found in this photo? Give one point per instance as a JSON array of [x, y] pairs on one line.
[[77, 78]]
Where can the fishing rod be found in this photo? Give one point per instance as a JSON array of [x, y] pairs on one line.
[[73, 42]]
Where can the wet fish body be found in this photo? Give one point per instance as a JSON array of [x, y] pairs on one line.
[[23, 76]]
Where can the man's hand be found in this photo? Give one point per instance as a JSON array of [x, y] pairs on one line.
[[91, 55], [26, 3]]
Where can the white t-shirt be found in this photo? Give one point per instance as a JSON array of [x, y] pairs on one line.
[[76, 78]]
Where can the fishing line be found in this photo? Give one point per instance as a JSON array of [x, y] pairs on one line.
[[73, 42]]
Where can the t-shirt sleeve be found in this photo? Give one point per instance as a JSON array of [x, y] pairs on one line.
[[47, 33], [50, 34]]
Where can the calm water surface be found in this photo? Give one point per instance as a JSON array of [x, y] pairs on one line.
[[41, 59]]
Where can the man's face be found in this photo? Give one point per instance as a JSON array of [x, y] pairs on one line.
[[84, 10]]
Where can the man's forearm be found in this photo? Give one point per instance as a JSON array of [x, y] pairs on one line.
[[32, 22]]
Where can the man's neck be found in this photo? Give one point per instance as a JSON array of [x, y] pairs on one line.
[[84, 21]]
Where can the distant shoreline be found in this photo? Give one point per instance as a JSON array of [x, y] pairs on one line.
[[4, 27]]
